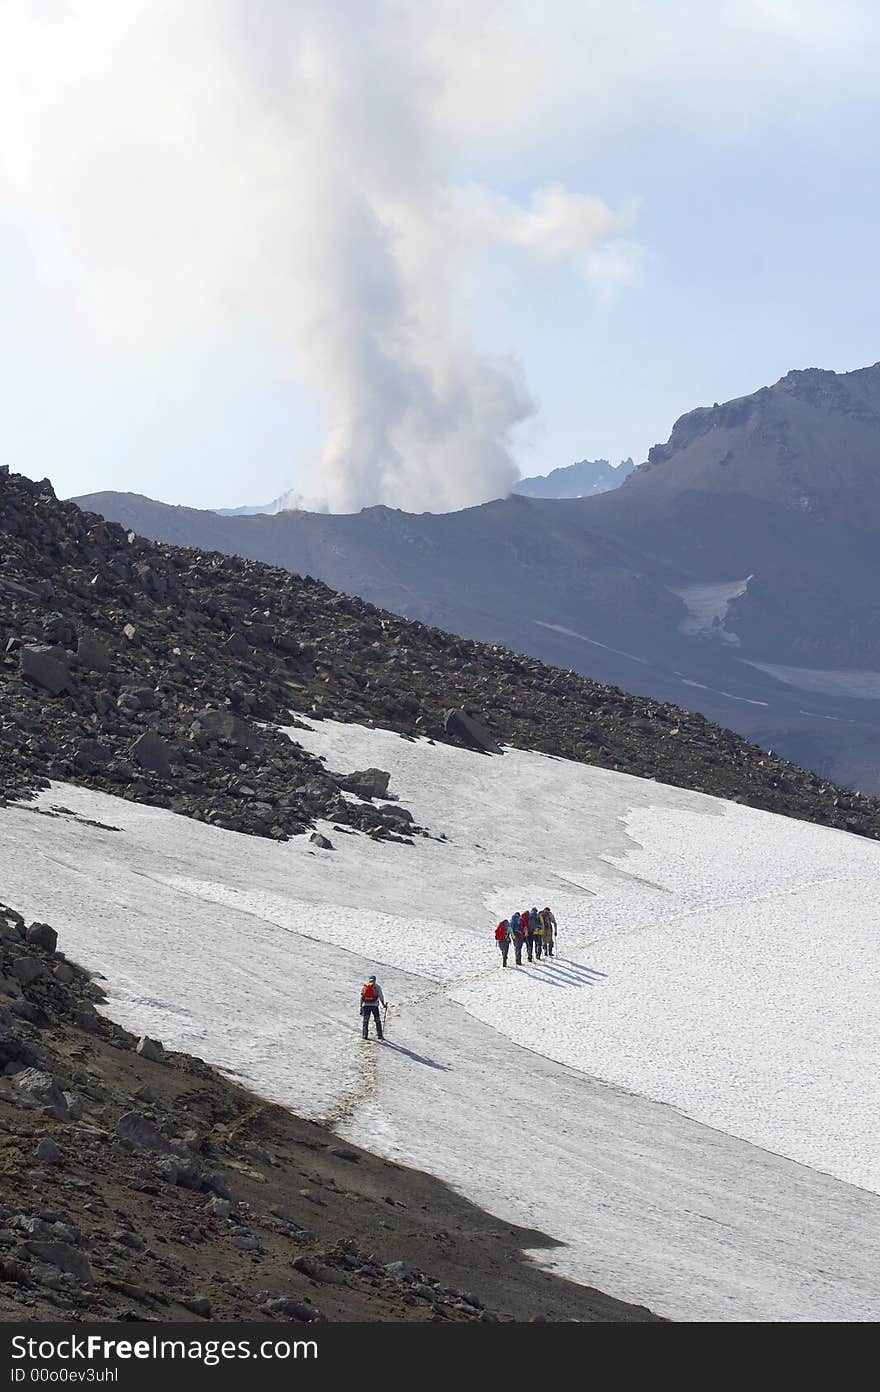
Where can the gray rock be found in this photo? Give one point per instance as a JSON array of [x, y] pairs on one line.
[[150, 1049], [319, 1271], [48, 1152], [87, 1017], [472, 732], [63, 973], [74, 1106], [345, 1153], [92, 654], [247, 1242], [139, 1132], [323, 842], [65, 1257], [221, 1208], [394, 812], [43, 667], [292, 1308], [129, 1239], [42, 1088], [222, 725], [399, 1270], [367, 783], [218, 1183], [27, 970], [151, 752], [91, 756], [185, 1172], [198, 1304], [14, 1050], [42, 935]]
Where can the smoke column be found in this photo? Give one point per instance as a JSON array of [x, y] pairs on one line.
[[216, 165]]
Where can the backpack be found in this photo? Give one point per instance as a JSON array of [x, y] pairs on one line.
[[369, 992]]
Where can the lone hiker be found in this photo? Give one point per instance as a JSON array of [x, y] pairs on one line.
[[371, 999], [549, 930], [503, 939]]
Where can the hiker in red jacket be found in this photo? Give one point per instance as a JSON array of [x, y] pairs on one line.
[[371, 999], [502, 937]]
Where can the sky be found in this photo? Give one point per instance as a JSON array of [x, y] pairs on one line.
[[378, 251]]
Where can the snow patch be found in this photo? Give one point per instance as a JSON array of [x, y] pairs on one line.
[[707, 605], [860, 685], [714, 993]]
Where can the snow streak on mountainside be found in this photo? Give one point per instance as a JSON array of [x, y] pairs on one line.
[[713, 958]]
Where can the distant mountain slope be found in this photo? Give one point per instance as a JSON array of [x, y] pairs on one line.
[[107, 638], [751, 536], [581, 480]]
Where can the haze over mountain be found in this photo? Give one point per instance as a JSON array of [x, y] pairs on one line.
[[579, 480], [735, 571]]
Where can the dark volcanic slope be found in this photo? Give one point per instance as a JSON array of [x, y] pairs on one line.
[[145, 1188], [148, 670]]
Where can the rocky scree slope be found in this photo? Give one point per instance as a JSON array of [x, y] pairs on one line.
[[160, 674], [138, 1184]]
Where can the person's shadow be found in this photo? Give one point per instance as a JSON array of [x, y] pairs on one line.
[[555, 971], [416, 1058]]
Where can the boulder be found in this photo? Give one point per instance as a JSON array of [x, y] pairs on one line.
[[367, 783], [74, 1106], [323, 842], [87, 1017], [42, 1088], [139, 1132], [65, 1257], [45, 667], [150, 1049], [92, 654], [459, 725], [223, 726], [289, 1307], [48, 1153], [42, 935], [14, 1050], [90, 756], [198, 1304], [151, 752], [396, 813], [27, 970]]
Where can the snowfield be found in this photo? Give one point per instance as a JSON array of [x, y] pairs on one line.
[[684, 1101]]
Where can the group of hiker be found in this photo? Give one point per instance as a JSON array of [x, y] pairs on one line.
[[533, 929]]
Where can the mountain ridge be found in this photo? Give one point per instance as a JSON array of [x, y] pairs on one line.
[[775, 495], [141, 668]]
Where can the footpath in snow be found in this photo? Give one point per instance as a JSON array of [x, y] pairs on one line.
[[684, 1100]]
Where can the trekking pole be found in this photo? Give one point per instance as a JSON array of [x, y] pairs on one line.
[[385, 1018]]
